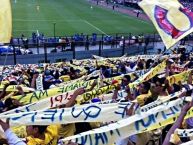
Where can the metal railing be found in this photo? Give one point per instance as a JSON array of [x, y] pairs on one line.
[[123, 42]]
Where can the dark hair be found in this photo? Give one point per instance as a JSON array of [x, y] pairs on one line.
[[72, 69], [128, 78], [9, 104], [146, 86], [13, 83], [188, 93], [123, 69], [41, 129], [3, 141], [71, 61], [103, 67], [155, 79], [148, 63], [176, 87]]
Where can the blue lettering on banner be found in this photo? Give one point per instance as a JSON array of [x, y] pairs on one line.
[[25, 109], [89, 112], [77, 115], [90, 140], [122, 109], [105, 137], [150, 119], [26, 114], [60, 117], [28, 107], [50, 114], [33, 117], [98, 138], [117, 131], [172, 112], [83, 139]]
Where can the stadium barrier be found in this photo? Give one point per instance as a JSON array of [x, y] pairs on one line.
[[22, 50]]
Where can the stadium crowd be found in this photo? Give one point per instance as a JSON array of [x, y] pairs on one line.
[[187, 4], [53, 75]]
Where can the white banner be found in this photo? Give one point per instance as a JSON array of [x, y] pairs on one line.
[[83, 113], [126, 127], [39, 83], [184, 132]]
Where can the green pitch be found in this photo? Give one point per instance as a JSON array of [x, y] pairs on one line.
[[71, 16]]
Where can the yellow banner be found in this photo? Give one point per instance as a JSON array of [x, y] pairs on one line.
[[181, 77], [153, 72], [5, 21]]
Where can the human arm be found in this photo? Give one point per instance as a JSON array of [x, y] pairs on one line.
[[33, 82], [71, 102], [11, 137], [3, 93], [190, 77], [115, 94], [177, 124], [129, 97], [92, 86]]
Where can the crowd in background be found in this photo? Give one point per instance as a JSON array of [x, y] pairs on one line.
[[55, 74]]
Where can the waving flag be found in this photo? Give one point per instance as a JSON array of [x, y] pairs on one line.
[[171, 19], [5, 21]]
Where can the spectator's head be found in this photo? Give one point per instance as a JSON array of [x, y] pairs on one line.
[[72, 70], [169, 62], [159, 51], [144, 88], [126, 80], [158, 86], [11, 104], [47, 72], [123, 69], [103, 67], [140, 65], [35, 130], [64, 71], [71, 61], [149, 62]]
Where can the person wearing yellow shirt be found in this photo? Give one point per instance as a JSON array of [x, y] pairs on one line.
[[37, 135], [144, 95], [42, 135], [11, 137]]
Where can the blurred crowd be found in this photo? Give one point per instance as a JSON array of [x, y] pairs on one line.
[[55, 74]]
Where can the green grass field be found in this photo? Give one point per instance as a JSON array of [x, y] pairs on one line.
[[71, 16]]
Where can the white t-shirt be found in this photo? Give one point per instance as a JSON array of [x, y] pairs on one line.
[[129, 69]]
